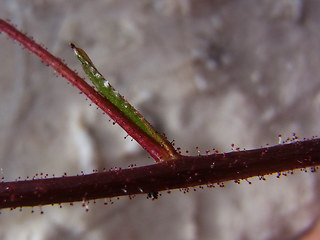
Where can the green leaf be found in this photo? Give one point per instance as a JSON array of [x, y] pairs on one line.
[[106, 90]]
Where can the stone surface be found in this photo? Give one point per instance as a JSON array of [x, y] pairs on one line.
[[207, 73]]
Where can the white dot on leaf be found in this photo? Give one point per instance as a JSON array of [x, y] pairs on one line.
[[106, 83]]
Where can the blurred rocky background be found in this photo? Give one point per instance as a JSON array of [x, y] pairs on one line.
[[208, 73]]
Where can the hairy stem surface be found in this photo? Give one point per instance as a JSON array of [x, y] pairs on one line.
[[183, 173]]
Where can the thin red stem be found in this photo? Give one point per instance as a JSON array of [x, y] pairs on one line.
[[182, 173], [152, 147]]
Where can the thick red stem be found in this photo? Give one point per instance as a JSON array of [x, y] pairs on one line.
[[182, 173]]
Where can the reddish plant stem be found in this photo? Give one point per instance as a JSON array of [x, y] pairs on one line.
[[152, 147], [182, 173]]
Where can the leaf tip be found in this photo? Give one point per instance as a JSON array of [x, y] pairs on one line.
[[72, 45]]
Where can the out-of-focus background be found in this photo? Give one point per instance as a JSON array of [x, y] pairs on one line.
[[208, 73]]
